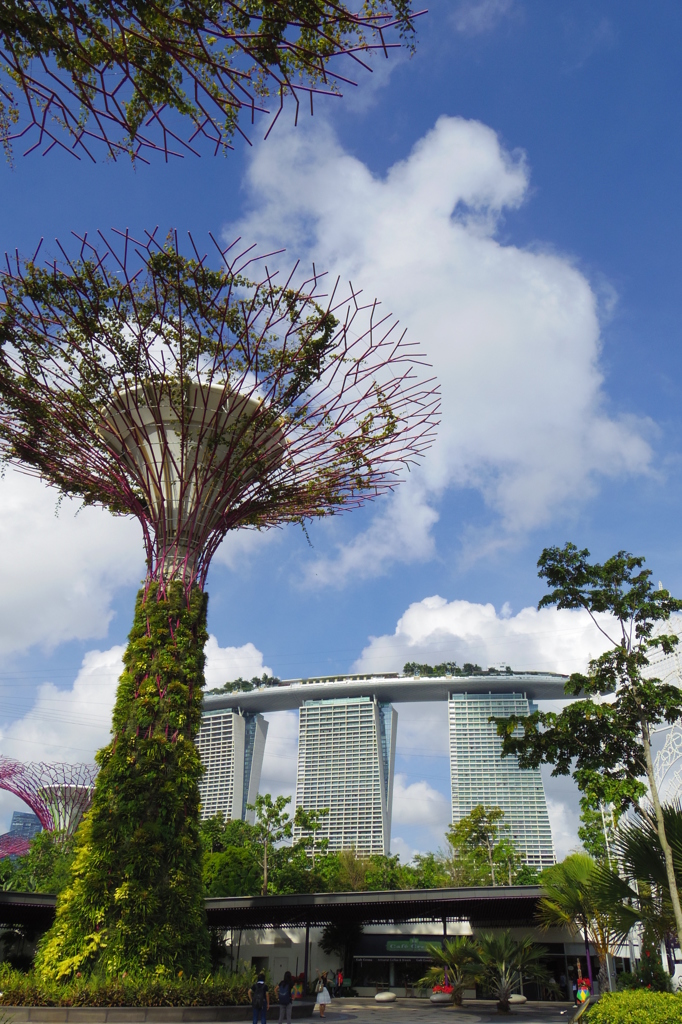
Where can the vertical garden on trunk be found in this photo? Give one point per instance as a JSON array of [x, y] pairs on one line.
[[136, 894], [155, 385]]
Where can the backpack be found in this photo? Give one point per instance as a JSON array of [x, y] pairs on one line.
[[284, 993], [258, 1000]]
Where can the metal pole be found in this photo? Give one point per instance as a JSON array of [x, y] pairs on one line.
[[305, 966]]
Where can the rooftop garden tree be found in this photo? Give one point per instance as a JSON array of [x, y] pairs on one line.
[[131, 76], [151, 383], [603, 737]]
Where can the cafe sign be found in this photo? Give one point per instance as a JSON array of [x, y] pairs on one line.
[[407, 946]]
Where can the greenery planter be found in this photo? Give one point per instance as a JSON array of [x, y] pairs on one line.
[[152, 1014], [638, 1007]]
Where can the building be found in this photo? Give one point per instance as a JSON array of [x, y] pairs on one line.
[[231, 745], [25, 824], [346, 762], [16, 842], [480, 775]]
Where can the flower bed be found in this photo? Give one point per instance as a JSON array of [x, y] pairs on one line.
[[637, 1007]]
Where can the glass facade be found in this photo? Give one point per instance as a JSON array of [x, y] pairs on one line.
[[346, 760], [480, 775]]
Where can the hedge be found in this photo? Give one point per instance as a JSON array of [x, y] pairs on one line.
[[637, 1007], [152, 989]]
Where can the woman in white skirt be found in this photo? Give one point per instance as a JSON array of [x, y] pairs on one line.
[[323, 996]]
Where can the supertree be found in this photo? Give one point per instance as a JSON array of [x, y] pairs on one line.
[[126, 74], [13, 846], [58, 794], [149, 382]]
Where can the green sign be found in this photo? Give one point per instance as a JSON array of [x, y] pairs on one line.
[[406, 946]]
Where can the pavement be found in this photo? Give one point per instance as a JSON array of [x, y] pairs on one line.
[[421, 1011]]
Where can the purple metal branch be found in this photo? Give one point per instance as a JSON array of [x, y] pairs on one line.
[[271, 423], [58, 794], [13, 846]]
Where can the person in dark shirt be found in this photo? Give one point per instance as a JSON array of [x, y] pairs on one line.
[[284, 994], [260, 999]]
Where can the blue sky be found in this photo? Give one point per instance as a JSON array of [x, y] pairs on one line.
[[513, 193]]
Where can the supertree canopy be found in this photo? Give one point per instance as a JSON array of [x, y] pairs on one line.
[[199, 401], [58, 794], [126, 74]]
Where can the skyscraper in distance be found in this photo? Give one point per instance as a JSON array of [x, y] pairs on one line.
[[480, 775], [346, 763], [231, 745]]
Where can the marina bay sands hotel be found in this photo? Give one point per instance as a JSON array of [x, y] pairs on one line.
[[346, 752]]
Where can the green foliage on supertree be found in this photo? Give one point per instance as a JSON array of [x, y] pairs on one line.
[[136, 895]]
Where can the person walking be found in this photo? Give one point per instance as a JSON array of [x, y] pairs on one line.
[[284, 994], [323, 997], [339, 983], [260, 999]]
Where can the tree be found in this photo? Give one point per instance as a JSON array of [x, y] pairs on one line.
[[459, 958], [234, 871], [245, 686], [111, 72], [572, 900], [152, 384], [352, 871], [341, 938], [606, 744], [503, 962], [273, 825], [45, 868], [309, 824], [640, 890], [480, 851]]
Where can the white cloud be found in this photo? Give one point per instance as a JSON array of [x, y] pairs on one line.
[[405, 850], [71, 725], [423, 729], [226, 663], [418, 803], [564, 821], [435, 630], [60, 572], [278, 776], [513, 334], [68, 725], [240, 546], [472, 17]]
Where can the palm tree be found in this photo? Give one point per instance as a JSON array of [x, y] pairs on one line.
[[575, 899], [459, 957], [503, 962], [642, 893]]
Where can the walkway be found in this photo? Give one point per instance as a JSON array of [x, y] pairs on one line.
[[420, 1011]]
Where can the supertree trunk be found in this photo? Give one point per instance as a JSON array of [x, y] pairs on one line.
[[136, 899]]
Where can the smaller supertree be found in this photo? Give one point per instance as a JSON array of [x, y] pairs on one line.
[[13, 846], [58, 794]]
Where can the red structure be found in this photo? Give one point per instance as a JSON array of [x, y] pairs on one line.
[[58, 794], [199, 402], [13, 846], [133, 78]]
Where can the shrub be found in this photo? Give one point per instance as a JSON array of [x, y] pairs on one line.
[[158, 988], [637, 1007]]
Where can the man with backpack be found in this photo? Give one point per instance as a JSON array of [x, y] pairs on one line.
[[284, 994], [260, 999]]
